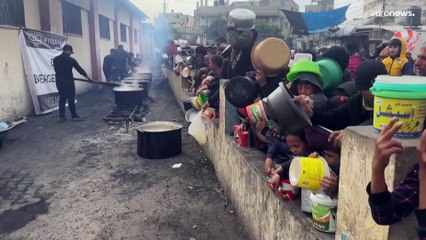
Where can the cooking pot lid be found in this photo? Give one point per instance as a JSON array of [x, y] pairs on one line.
[[271, 55], [240, 91], [159, 126]]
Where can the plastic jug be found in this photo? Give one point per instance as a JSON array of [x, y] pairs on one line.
[[197, 129]]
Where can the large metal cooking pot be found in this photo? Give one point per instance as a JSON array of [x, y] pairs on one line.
[[159, 139], [244, 19], [290, 116], [128, 95], [271, 55], [145, 84], [241, 91]]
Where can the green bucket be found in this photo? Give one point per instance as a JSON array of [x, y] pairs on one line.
[[403, 98], [331, 73], [303, 66]]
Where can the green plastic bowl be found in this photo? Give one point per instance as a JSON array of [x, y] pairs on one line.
[[331, 73], [303, 66]]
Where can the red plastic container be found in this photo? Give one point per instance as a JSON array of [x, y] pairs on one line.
[[243, 138]]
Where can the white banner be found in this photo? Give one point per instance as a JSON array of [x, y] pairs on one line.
[[38, 48]]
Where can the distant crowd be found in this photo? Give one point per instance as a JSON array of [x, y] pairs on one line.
[[119, 63]]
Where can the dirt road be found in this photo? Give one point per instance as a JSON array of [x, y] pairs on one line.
[[84, 180]]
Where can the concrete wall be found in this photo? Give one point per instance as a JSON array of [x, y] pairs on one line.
[[136, 23], [240, 171], [106, 8], [123, 17], [15, 98], [81, 45], [354, 220]]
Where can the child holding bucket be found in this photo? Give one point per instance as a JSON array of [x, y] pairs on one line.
[[299, 147]]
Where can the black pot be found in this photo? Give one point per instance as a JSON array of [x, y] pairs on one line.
[[145, 84], [279, 105], [128, 96], [159, 139], [241, 91], [187, 103]]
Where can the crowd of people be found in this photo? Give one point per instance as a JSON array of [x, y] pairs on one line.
[[119, 63], [349, 104]]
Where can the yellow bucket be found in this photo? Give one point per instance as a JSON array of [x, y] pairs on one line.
[[308, 172], [403, 98]]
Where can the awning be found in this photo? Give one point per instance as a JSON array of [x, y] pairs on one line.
[[314, 22]]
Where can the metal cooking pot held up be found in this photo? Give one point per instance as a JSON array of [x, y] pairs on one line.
[[241, 91], [291, 117], [243, 18]]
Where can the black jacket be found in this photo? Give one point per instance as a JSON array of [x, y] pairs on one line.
[[352, 113], [63, 65]]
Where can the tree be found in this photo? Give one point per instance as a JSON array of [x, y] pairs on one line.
[[266, 29], [216, 29]]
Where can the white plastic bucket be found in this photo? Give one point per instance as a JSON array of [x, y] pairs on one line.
[[305, 200], [324, 210]]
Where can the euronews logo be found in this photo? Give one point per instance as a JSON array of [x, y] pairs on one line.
[[390, 13]]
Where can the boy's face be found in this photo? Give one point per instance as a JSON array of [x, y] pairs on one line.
[[393, 50], [305, 88], [297, 146]]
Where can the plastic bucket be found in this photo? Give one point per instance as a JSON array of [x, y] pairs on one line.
[[308, 172], [403, 98], [305, 200], [255, 112], [331, 73], [210, 113], [199, 101], [324, 211]]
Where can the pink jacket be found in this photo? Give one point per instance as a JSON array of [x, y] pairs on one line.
[[354, 62]]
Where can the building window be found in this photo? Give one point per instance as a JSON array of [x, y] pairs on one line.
[[104, 27], [12, 13], [71, 19], [123, 32], [135, 36]]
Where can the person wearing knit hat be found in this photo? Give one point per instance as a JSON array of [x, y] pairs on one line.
[[358, 109], [397, 63], [305, 78]]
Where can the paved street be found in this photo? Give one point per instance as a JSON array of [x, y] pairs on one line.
[[84, 180]]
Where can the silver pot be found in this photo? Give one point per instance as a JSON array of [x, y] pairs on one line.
[[243, 18], [290, 116]]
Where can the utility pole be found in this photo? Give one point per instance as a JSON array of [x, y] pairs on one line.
[[164, 6]]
